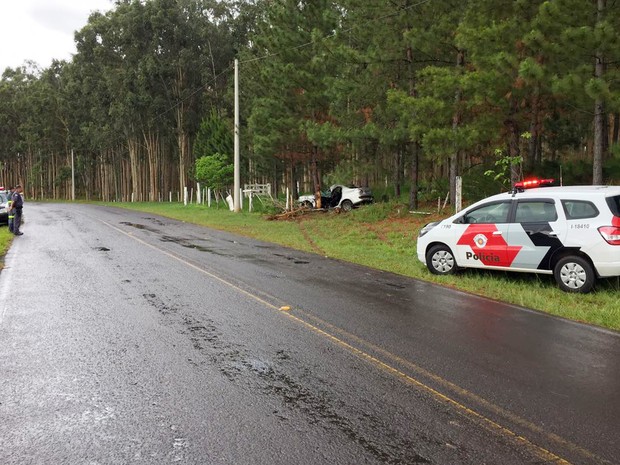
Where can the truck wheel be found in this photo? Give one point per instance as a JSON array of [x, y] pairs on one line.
[[574, 274], [439, 260]]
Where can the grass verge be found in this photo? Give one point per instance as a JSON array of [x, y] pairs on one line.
[[383, 236], [5, 242]]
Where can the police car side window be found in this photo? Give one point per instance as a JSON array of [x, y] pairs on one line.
[[489, 213], [535, 211], [579, 209]]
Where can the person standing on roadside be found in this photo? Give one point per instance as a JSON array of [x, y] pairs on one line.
[[18, 205], [9, 206]]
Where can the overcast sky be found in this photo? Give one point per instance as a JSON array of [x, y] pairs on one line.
[[42, 30]]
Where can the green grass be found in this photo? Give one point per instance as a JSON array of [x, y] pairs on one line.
[[5, 242], [383, 236]]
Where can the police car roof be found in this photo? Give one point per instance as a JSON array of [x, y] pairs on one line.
[[555, 191], [563, 190]]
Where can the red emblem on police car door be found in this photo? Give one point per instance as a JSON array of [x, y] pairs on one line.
[[488, 245]]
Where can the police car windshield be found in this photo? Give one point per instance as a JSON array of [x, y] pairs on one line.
[[496, 212]]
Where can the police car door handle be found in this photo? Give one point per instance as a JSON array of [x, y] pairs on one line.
[[550, 233], [497, 233]]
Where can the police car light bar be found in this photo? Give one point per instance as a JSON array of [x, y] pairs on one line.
[[532, 183]]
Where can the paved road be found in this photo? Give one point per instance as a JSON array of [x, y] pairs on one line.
[[129, 338]]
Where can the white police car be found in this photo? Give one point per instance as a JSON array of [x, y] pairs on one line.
[[570, 232]]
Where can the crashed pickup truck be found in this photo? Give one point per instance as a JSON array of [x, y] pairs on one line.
[[339, 196]]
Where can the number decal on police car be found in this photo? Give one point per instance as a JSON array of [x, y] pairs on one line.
[[580, 226]]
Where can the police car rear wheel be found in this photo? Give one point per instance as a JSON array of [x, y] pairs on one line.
[[574, 274], [440, 260]]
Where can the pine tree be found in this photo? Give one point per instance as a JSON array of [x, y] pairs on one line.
[[584, 40]]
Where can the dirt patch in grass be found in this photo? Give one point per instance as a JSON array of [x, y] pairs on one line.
[[313, 245]]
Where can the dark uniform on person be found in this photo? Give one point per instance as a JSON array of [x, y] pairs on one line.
[[18, 205], [9, 205]]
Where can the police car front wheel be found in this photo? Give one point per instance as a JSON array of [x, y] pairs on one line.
[[574, 274], [440, 260]]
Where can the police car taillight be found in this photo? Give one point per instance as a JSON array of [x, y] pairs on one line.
[[611, 234], [534, 183]]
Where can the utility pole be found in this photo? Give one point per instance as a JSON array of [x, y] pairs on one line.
[[72, 177], [237, 169]]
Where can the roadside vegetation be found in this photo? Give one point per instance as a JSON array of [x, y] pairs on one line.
[[404, 94], [5, 242], [383, 236]]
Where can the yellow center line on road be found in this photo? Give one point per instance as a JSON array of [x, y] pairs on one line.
[[477, 417], [554, 438]]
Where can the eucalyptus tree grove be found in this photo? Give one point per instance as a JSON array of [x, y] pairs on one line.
[[403, 95]]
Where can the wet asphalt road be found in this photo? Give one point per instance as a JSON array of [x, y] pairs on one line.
[[129, 338]]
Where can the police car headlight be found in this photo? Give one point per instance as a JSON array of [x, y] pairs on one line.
[[427, 228]]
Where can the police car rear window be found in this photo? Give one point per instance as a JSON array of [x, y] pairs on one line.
[[579, 209], [614, 204]]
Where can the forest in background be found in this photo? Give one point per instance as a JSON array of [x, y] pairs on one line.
[[402, 96]]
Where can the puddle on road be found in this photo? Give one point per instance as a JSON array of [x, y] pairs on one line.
[[396, 286], [155, 221], [139, 226], [190, 245], [295, 260]]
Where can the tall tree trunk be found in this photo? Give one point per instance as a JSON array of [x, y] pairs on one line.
[[616, 129], [398, 172], [316, 178], [134, 154], [456, 122], [599, 110], [414, 171], [512, 128], [151, 140], [533, 144], [414, 176]]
